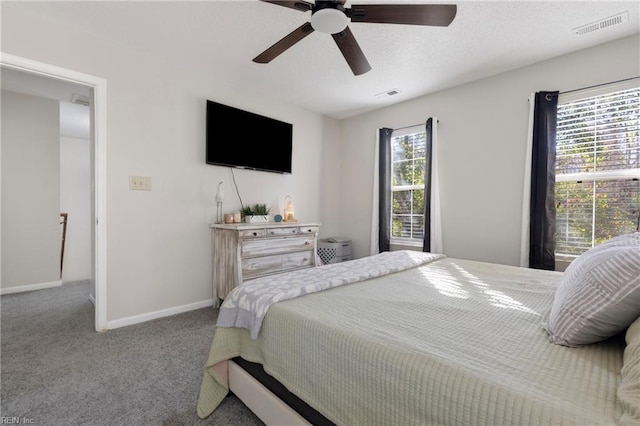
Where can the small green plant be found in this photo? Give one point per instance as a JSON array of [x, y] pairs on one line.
[[255, 210]]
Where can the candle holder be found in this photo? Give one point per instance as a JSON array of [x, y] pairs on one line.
[[289, 211]]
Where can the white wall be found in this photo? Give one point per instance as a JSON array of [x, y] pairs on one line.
[[75, 200], [158, 242], [30, 191], [482, 137]]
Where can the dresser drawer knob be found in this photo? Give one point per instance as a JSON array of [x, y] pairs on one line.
[[255, 234], [306, 243]]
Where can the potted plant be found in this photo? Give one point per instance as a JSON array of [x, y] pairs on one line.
[[257, 213]]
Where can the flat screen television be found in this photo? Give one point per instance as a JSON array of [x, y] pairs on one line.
[[243, 139]]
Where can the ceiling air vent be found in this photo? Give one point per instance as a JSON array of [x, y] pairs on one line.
[[603, 23], [80, 99], [387, 93]]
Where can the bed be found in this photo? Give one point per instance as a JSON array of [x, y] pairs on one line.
[[417, 338]]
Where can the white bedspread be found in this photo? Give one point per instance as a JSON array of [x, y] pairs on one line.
[[451, 342]]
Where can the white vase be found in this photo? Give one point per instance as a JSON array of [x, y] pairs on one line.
[[256, 219]]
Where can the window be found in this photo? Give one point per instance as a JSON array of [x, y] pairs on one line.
[[597, 169], [408, 164]]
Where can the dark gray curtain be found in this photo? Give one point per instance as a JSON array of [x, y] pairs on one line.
[[384, 188], [426, 242], [543, 210]]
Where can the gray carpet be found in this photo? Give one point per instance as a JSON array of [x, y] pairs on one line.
[[57, 370]]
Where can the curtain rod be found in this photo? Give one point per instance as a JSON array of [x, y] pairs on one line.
[[598, 85], [413, 125]]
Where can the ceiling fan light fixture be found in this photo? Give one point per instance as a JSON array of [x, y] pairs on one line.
[[329, 21]]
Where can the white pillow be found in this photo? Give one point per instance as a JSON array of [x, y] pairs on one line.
[[598, 295]]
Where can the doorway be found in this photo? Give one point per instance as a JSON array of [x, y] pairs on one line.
[[97, 101]]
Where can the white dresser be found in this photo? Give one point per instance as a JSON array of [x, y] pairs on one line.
[[245, 251]]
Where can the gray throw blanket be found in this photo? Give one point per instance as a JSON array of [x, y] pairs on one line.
[[247, 304]]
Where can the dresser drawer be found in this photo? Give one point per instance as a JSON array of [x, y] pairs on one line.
[[278, 232], [261, 266], [267, 246], [309, 229], [252, 233]]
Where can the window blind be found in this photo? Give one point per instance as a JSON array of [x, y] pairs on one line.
[[597, 169]]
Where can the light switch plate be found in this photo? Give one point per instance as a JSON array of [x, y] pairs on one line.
[[140, 183]]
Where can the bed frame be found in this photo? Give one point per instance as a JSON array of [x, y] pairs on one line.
[[269, 399], [264, 404]]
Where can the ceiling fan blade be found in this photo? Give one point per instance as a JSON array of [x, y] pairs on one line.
[[300, 5], [439, 15], [351, 51], [285, 43]]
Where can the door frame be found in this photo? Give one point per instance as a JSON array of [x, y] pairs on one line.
[[99, 164]]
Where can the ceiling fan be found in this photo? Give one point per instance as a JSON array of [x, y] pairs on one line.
[[331, 17]]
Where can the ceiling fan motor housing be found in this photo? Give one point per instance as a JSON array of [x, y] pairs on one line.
[[329, 17]]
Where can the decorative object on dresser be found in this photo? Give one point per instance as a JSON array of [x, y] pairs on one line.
[[289, 211], [219, 199], [245, 251], [258, 213]]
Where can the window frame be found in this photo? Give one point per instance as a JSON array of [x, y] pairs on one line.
[[405, 131]]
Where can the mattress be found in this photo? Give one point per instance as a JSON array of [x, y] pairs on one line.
[[449, 342]]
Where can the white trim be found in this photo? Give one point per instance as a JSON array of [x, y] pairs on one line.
[[136, 319], [374, 237], [394, 245], [526, 190], [566, 257], [260, 400], [599, 175], [436, 238], [99, 86], [30, 287]]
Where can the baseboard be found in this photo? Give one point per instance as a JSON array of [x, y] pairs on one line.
[[30, 287], [136, 319]]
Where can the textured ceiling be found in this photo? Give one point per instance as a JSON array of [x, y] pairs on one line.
[[485, 38]]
